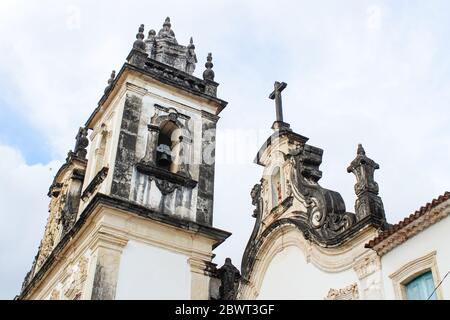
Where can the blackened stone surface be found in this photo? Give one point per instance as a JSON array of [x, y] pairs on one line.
[[205, 198], [368, 203], [70, 209], [126, 149], [229, 277], [102, 288]]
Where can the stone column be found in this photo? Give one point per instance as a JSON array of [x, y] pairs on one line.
[[199, 279], [106, 250], [152, 141]]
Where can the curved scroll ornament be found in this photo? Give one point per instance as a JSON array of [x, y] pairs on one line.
[[326, 217], [249, 252]]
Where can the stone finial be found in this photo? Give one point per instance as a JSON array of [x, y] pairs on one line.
[[138, 55], [361, 151], [166, 32], [364, 168], [208, 74], [191, 57], [110, 81], [151, 34], [81, 143], [139, 44], [167, 22], [367, 202], [150, 43], [229, 276]]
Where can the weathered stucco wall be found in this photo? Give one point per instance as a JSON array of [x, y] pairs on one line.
[[290, 276], [436, 239], [141, 278]]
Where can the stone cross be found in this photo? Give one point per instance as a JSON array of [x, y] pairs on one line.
[[276, 95]]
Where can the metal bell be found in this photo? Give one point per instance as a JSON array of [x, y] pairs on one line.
[[164, 155]]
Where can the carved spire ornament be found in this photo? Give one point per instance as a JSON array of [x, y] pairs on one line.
[[208, 74], [82, 142], [138, 55], [191, 57], [139, 44], [110, 81], [368, 203], [166, 32], [150, 43]]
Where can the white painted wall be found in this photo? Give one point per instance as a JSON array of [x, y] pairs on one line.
[[148, 272], [289, 276], [435, 238]]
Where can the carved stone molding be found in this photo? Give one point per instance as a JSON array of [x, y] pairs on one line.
[[93, 185], [367, 266], [165, 186], [348, 293], [76, 279], [167, 179], [55, 295]]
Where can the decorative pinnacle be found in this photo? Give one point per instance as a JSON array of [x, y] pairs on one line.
[[208, 74], [151, 34], [361, 150], [191, 44], [139, 43], [110, 80], [113, 76], [167, 22]]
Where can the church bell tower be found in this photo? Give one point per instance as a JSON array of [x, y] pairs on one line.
[[142, 226]]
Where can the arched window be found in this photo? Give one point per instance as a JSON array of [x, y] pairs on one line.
[[168, 146], [277, 195]]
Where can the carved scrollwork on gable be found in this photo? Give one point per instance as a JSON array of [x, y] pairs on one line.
[[326, 215]]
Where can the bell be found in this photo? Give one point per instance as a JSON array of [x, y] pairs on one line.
[[164, 155]]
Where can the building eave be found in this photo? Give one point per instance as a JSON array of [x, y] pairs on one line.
[[415, 223]]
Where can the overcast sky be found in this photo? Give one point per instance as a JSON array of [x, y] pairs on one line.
[[371, 72]]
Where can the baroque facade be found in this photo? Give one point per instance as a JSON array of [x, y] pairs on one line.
[[131, 209]]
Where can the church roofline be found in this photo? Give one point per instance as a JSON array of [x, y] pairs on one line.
[[167, 75], [400, 232], [100, 199]]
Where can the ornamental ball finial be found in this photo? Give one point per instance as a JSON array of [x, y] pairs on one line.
[[110, 81], [208, 74], [139, 43]]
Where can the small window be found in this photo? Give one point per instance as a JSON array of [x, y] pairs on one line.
[[421, 287]]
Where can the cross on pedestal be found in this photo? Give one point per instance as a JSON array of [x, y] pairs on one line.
[[276, 95]]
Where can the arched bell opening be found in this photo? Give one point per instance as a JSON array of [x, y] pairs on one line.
[[168, 146]]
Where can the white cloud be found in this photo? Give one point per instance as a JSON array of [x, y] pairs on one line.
[[23, 213], [374, 17]]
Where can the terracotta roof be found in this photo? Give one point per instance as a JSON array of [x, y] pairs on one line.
[[403, 230]]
